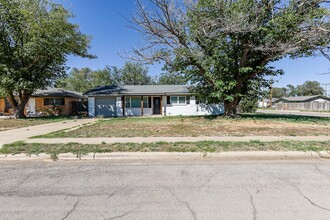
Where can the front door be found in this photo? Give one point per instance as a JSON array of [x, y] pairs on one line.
[[32, 107], [156, 105]]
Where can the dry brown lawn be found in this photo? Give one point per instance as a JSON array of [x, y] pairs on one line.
[[201, 126], [7, 124]]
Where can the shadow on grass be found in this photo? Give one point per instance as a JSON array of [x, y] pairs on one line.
[[293, 118]]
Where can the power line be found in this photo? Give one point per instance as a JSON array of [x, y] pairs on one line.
[[326, 88]]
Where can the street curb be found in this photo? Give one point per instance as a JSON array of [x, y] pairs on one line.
[[324, 154], [258, 155]]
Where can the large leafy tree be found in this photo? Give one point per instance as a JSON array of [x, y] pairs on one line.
[[36, 36], [169, 78], [82, 80], [225, 47], [133, 73], [310, 88]]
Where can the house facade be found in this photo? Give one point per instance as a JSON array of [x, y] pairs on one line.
[[52, 101], [309, 103], [142, 100], [267, 103]]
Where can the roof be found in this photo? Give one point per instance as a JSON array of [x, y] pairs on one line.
[[304, 98], [268, 100], [58, 92], [138, 90]]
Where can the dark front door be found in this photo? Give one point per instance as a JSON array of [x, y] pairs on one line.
[[156, 108]]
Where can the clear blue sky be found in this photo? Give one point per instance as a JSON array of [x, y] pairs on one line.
[[103, 19]]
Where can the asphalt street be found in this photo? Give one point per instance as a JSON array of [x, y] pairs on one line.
[[165, 189]]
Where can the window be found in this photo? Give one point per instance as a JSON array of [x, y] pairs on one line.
[[127, 102], [182, 99], [201, 101], [179, 100], [54, 101], [136, 102], [145, 102], [133, 102], [174, 99]]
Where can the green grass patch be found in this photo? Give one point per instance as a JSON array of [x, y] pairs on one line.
[[204, 146]]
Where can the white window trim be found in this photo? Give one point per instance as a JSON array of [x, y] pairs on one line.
[[178, 100], [146, 97], [130, 101]]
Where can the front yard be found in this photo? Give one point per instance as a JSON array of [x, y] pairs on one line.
[[247, 125], [7, 124]]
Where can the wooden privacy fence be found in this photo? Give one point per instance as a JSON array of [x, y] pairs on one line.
[[310, 106]]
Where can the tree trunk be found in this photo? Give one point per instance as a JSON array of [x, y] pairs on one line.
[[19, 110], [19, 105], [231, 108]]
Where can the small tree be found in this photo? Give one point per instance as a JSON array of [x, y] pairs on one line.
[[224, 46], [36, 37]]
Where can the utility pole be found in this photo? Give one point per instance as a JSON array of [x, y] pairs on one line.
[[326, 88], [271, 93]]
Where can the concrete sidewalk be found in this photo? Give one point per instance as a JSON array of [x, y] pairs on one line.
[[22, 134], [176, 139]]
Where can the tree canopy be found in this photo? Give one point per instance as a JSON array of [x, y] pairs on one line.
[[308, 88], [225, 47], [168, 78], [84, 79], [36, 36]]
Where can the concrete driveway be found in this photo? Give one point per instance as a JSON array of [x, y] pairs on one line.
[[165, 189], [22, 134]]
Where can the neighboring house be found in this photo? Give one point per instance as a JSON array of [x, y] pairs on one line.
[[167, 100], [51, 101], [313, 103], [266, 103], [313, 98]]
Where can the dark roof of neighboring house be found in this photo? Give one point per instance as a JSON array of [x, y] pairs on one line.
[[268, 100], [303, 98], [138, 90], [57, 92]]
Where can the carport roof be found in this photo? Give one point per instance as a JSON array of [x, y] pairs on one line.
[[138, 90]]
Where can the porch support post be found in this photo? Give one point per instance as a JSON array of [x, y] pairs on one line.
[[141, 105], [161, 105], [123, 104]]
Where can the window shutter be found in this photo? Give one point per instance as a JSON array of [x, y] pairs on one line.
[[168, 100], [149, 102], [188, 100]]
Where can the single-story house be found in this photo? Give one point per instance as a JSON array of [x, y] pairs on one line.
[[139, 100], [52, 101], [312, 103], [313, 98], [266, 103]]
